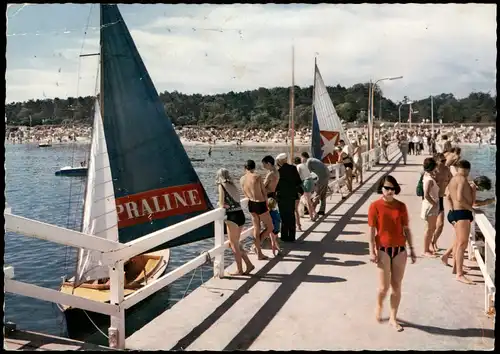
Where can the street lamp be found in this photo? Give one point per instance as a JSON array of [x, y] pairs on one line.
[[370, 107]]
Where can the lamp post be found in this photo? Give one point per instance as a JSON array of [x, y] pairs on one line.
[[370, 103], [399, 109]]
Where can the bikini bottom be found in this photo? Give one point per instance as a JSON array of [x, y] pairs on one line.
[[392, 252]]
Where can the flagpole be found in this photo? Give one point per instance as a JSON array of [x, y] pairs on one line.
[[432, 115], [292, 106], [312, 106]]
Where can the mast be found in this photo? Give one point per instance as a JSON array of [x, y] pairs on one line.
[[101, 91], [292, 106], [313, 95]]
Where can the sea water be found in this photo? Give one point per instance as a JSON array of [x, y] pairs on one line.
[[33, 191]]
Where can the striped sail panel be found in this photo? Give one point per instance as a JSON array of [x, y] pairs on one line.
[[327, 127], [154, 181], [99, 216]]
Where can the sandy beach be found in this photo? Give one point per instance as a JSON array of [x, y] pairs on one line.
[[201, 136]]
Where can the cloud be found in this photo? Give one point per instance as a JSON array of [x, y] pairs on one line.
[[209, 49]]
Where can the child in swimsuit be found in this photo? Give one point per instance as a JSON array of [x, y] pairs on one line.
[[275, 216]]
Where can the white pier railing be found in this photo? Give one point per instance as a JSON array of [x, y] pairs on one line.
[[115, 254], [483, 252]]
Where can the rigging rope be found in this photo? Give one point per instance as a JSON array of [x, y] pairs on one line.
[[73, 226]]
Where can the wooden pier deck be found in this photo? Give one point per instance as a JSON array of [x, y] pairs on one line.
[[32, 341], [321, 294]]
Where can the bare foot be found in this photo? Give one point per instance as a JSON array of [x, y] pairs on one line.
[[299, 227], [444, 260], [249, 269], [428, 254], [238, 272], [464, 280], [378, 314], [262, 257], [396, 325]]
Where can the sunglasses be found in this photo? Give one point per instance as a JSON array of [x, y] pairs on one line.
[[443, 161], [389, 188]]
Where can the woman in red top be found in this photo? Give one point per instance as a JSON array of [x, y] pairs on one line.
[[389, 232]]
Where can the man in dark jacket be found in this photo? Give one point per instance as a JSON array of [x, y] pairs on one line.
[[288, 191]]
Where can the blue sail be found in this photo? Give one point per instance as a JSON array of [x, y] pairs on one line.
[[315, 138], [155, 184]]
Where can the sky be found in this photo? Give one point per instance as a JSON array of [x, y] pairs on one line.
[[209, 49]]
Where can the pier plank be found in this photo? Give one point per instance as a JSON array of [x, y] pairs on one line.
[[321, 294], [28, 341]]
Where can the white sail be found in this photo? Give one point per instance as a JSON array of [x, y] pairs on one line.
[[99, 216], [328, 119]]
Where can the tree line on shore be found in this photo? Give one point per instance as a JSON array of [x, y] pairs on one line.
[[264, 108]]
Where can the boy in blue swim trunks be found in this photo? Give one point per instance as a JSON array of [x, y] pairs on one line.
[[275, 216]]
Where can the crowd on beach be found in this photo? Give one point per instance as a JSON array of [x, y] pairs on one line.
[[232, 136], [274, 199], [49, 134]]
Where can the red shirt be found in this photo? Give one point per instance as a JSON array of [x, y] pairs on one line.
[[389, 219]]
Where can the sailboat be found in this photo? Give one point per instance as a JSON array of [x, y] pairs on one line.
[[327, 129], [140, 179]]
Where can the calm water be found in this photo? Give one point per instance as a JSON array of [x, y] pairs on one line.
[[33, 191]]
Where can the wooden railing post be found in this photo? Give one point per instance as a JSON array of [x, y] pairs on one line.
[[116, 331], [472, 239], [489, 262], [219, 240]]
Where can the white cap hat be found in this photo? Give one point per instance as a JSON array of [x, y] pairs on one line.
[[281, 156]]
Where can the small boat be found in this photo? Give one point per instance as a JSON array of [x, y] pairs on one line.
[[140, 179], [72, 171], [197, 160], [43, 145]]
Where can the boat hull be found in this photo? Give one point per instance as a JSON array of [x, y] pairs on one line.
[[82, 324], [72, 172]]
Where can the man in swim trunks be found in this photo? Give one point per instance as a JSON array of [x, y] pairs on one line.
[[272, 176], [460, 196], [253, 188], [442, 177]]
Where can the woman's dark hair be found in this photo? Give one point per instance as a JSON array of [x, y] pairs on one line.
[[297, 160], [456, 150], [391, 180], [463, 164], [483, 183], [250, 165], [268, 159], [304, 154], [429, 164], [439, 156]]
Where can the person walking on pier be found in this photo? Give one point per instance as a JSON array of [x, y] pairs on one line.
[[229, 198], [253, 189], [403, 147], [307, 186], [319, 169], [287, 192], [357, 158], [460, 197], [430, 204], [442, 177], [388, 234]]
